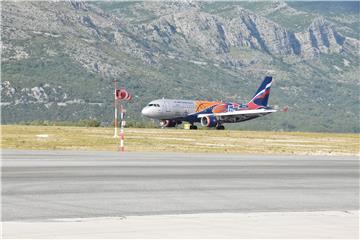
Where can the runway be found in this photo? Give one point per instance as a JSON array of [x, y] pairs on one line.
[[47, 185]]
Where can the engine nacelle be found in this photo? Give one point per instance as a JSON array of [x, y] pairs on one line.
[[208, 121], [167, 123]]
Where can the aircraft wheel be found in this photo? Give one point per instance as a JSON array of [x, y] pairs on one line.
[[193, 127], [221, 127]]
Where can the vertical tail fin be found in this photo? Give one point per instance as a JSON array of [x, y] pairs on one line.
[[261, 96]]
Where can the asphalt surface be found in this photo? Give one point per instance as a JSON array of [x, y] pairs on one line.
[[43, 185]]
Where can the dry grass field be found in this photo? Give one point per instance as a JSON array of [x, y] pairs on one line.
[[179, 140]]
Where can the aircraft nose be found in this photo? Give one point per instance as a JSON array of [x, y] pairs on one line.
[[145, 111]]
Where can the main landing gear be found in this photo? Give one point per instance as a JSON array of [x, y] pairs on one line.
[[220, 127], [193, 127]]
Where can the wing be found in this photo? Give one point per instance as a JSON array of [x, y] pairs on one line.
[[240, 115]]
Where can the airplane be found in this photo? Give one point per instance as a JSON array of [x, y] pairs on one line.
[[172, 112]]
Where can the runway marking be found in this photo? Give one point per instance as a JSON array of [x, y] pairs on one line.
[[320, 224]]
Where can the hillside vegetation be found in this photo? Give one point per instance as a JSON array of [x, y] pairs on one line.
[[59, 59]]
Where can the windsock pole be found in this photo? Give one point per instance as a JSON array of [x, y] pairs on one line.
[[121, 95], [116, 123], [116, 112], [122, 125]]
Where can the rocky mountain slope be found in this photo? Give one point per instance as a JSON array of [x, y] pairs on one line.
[[59, 58]]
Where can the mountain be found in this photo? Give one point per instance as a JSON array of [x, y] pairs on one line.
[[59, 59]]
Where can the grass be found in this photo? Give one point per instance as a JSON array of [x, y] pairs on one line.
[[178, 140]]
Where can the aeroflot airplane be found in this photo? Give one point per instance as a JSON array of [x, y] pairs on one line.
[[171, 112]]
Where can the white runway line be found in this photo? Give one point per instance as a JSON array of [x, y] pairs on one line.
[[320, 224]]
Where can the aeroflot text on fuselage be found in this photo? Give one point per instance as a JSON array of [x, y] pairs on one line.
[[171, 112]]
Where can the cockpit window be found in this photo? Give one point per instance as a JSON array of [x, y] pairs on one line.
[[153, 105]]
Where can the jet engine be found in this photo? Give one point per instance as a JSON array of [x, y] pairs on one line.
[[167, 123], [208, 121]]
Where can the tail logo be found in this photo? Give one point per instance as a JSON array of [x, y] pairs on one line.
[[261, 96], [263, 93]]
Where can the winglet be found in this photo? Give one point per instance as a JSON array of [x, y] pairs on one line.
[[285, 109]]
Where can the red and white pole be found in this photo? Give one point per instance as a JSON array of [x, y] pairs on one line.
[[122, 125], [120, 94]]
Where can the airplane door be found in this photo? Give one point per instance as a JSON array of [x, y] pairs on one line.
[[166, 107]]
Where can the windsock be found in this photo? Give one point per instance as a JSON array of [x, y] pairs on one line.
[[122, 94]]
